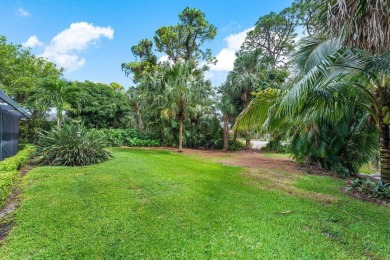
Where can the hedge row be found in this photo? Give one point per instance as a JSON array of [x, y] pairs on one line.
[[128, 137], [9, 174]]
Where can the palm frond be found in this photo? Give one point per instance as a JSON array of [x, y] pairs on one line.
[[257, 113]]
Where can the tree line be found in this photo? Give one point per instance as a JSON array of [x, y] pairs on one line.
[[325, 93]]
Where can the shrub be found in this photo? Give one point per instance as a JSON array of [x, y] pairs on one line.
[[236, 145], [8, 171], [128, 137], [276, 146], [72, 145], [342, 148], [370, 188]]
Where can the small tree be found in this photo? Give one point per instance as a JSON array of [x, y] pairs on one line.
[[53, 94]]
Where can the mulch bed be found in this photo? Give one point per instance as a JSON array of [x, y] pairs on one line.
[[362, 196]]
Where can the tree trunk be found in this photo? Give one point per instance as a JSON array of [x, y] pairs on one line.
[[225, 133], [385, 151], [139, 122], [248, 145], [59, 119], [181, 136]]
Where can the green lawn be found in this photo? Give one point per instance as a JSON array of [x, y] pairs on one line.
[[276, 155], [157, 204]]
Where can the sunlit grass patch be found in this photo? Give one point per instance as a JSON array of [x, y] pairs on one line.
[[147, 204], [276, 155]]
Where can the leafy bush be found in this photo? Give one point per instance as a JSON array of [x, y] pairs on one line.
[[72, 145], [370, 188], [236, 145], [342, 148], [8, 171], [276, 146], [128, 137]]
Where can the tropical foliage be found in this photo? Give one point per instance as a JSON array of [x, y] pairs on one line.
[[336, 105], [370, 188], [9, 174], [327, 96], [172, 99], [71, 145], [99, 105], [129, 137]]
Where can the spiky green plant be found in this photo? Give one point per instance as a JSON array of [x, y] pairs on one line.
[[71, 145]]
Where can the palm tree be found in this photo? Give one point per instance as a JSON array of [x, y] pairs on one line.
[[229, 111], [331, 81], [362, 24], [183, 91], [245, 79], [136, 98], [53, 94], [366, 25], [355, 61]]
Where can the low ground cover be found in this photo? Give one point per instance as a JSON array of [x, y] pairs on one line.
[[160, 204], [9, 174]]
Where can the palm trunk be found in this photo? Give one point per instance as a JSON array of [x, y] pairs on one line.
[[245, 99], [248, 145], [59, 119], [139, 122], [225, 133], [181, 136], [385, 151]]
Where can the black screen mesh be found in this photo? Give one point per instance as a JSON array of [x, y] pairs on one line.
[[9, 134]]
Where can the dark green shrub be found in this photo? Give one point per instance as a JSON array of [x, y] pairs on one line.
[[72, 145], [8, 171], [370, 188], [342, 148], [276, 146], [236, 145], [128, 137]]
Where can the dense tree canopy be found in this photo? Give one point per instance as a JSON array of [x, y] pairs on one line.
[[183, 41], [336, 104], [147, 61], [99, 106], [20, 71]]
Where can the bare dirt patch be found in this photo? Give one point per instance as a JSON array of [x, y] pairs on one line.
[[250, 159], [267, 172]]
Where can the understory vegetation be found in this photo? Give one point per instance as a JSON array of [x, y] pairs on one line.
[[9, 174], [71, 145], [129, 137], [370, 188]]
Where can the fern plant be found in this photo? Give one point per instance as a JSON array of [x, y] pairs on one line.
[[71, 145]]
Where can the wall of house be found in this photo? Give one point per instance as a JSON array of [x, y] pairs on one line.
[[9, 134]]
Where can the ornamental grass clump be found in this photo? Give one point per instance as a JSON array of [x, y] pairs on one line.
[[71, 145]]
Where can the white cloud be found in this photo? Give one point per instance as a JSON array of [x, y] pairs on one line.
[[227, 55], [64, 47], [32, 42], [163, 58], [209, 75], [22, 12]]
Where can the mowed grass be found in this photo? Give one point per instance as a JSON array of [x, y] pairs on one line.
[[146, 204]]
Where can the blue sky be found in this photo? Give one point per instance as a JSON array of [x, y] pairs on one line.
[[92, 38]]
